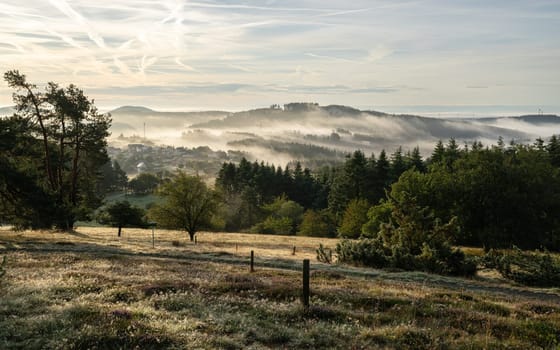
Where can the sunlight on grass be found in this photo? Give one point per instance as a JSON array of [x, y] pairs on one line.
[[90, 289]]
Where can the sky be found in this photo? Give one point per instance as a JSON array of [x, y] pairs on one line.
[[235, 55]]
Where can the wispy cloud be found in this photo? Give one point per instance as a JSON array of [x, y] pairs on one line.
[[65, 8], [362, 52]]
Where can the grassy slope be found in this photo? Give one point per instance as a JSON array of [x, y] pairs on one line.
[[90, 289]]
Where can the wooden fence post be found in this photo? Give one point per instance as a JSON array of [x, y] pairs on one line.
[[305, 296], [252, 261]]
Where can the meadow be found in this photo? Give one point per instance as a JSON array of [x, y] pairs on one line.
[[91, 290]]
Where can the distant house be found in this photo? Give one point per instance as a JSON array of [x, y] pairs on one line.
[[137, 147], [141, 167]]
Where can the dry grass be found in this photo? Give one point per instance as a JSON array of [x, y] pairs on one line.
[[140, 240], [92, 290]]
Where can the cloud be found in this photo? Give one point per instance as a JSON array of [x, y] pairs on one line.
[[342, 51], [65, 8], [378, 53]]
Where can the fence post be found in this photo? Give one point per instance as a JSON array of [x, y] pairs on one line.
[[294, 250], [252, 261], [153, 226], [305, 296]]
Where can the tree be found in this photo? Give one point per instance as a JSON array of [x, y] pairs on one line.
[[414, 160], [144, 183], [355, 216], [112, 177], [438, 153], [67, 139], [283, 217], [398, 164], [317, 224], [377, 215], [122, 214], [188, 204]]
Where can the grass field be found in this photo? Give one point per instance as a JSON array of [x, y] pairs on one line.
[[90, 289]]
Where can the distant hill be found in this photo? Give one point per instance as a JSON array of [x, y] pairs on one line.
[[372, 123], [139, 110], [308, 131], [132, 110], [6, 111], [535, 119], [133, 117]]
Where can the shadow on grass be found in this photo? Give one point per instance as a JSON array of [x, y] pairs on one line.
[[335, 271]]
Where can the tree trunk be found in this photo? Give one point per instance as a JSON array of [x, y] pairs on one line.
[[191, 236], [119, 233]]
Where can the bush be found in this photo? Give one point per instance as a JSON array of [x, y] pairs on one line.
[[413, 240], [274, 226], [365, 252], [528, 268], [324, 255], [372, 253]]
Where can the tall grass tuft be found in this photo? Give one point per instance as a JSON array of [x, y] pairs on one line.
[[3, 267]]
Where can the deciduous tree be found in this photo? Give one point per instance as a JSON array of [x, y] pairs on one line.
[[187, 204]]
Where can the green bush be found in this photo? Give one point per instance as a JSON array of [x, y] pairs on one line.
[[372, 253], [524, 267], [364, 252], [413, 240], [274, 226]]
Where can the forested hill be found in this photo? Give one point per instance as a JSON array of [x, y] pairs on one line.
[[374, 124], [130, 119], [315, 134]]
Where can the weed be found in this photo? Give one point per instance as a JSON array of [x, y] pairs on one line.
[[163, 287], [3, 267], [173, 302], [542, 333], [176, 243], [324, 255], [122, 295], [492, 308]]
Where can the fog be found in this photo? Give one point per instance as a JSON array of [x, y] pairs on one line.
[[280, 136]]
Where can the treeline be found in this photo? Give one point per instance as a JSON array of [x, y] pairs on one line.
[[496, 196], [252, 191], [247, 189], [502, 196]]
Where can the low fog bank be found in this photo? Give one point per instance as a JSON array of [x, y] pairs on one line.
[[306, 131]]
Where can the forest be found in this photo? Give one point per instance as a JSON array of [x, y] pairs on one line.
[[500, 195]]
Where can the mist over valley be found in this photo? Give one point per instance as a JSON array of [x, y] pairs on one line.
[[316, 134]]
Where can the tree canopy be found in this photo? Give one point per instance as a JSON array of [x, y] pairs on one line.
[[187, 204], [52, 150], [122, 214]]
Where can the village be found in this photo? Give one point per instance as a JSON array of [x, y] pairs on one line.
[[136, 158]]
